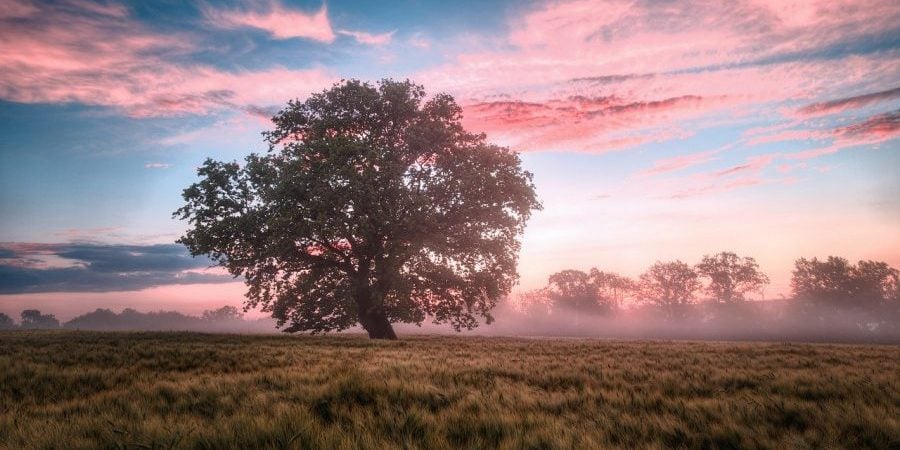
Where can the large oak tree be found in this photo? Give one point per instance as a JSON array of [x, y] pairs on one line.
[[372, 206]]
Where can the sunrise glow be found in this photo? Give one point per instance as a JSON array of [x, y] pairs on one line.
[[655, 130]]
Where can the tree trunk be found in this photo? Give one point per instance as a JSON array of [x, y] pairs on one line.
[[371, 316], [377, 325]]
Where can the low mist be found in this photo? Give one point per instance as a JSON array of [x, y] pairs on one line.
[[776, 320]]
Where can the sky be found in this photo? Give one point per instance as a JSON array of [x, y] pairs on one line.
[[656, 130]]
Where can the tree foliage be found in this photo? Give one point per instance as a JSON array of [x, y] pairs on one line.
[[223, 314], [612, 287], [669, 285], [373, 205], [33, 319], [730, 277], [594, 292], [6, 322], [574, 290], [837, 282]]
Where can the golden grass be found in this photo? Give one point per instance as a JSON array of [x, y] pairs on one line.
[[180, 390]]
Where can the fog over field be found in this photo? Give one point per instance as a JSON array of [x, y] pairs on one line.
[[778, 320]]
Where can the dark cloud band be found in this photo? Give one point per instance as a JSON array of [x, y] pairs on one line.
[[99, 268]]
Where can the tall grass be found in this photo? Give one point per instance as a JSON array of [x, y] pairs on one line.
[[181, 390]]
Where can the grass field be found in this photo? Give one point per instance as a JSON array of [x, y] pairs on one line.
[[179, 390]]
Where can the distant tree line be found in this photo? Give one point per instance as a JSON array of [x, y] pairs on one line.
[[832, 299], [718, 288], [130, 319]]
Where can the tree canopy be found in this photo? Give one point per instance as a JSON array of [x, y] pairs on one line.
[[33, 319], [730, 276], [373, 205], [838, 282], [669, 285], [223, 314], [594, 292], [6, 322], [576, 291]]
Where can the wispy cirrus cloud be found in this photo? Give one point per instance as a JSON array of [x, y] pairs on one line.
[[275, 19], [880, 127], [580, 123], [681, 61], [713, 182], [419, 41], [369, 38], [281, 22], [680, 162], [753, 164], [104, 57], [871, 131], [158, 165], [844, 104]]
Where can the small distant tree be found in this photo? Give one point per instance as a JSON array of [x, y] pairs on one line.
[[576, 291], [373, 206], [670, 286], [32, 319], [877, 280], [612, 287], [594, 292], [535, 304], [223, 314], [837, 282], [6, 322], [100, 319], [730, 277]]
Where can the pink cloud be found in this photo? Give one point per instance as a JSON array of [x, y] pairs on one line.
[[748, 173], [679, 162], [369, 38], [157, 165], [285, 23], [753, 164], [581, 123], [787, 135], [843, 104], [419, 41], [717, 188], [641, 56], [587, 39], [872, 131], [101, 59], [787, 168], [14, 9], [280, 22], [877, 128]]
